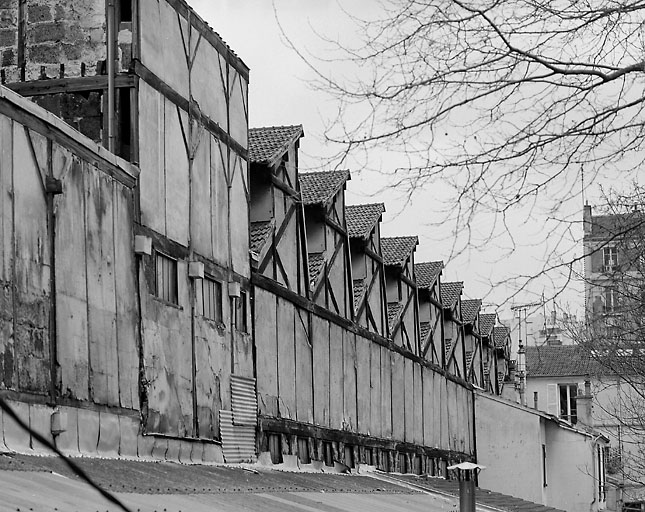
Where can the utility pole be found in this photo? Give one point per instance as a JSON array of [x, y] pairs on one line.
[[521, 352]]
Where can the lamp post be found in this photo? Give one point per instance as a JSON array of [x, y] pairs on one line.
[[466, 474]]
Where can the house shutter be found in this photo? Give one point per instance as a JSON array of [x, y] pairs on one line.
[[552, 399], [597, 262]]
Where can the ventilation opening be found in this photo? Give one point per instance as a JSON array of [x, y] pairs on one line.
[[328, 454], [349, 456], [275, 448], [403, 463], [303, 450]]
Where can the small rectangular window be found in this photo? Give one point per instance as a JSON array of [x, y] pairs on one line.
[[241, 322], [211, 306], [166, 278], [568, 402], [610, 258]]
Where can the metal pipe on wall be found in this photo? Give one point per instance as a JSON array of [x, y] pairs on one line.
[[111, 63]]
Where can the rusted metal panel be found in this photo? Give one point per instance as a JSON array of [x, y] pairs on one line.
[[126, 303], [220, 198], [429, 408], [6, 253], [417, 435], [286, 360], [212, 366], [266, 346], [386, 392], [376, 428], [176, 171], [238, 442], [31, 267], [244, 401], [304, 368], [101, 294], [336, 385], [398, 396], [239, 216], [349, 381], [363, 377], [167, 362], [238, 106], [165, 55], [71, 288], [321, 370], [409, 405], [153, 176]]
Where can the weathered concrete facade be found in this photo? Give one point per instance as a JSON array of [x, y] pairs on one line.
[[130, 303], [156, 332], [362, 392]]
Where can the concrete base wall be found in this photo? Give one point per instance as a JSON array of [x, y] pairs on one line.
[[88, 433]]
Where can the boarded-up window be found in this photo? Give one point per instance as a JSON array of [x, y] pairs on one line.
[[211, 306], [166, 278]]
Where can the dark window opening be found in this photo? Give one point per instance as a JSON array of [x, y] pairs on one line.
[[303, 450], [417, 468], [368, 456], [275, 448], [241, 313], [125, 11], [349, 456], [211, 306], [166, 278], [124, 129], [328, 454], [568, 402], [403, 463]]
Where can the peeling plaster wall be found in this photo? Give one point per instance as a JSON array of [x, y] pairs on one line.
[[92, 353], [345, 382]]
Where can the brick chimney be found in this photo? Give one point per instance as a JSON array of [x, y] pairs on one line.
[[585, 406]]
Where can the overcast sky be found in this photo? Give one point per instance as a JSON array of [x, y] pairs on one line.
[[280, 93]]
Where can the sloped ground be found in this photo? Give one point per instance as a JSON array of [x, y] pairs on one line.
[[29, 483]]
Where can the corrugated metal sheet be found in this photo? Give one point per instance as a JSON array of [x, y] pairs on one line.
[[244, 401], [238, 442]]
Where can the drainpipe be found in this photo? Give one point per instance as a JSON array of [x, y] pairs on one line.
[[111, 61]]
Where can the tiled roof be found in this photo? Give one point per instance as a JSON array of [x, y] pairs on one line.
[[500, 336], [611, 226], [359, 288], [260, 232], [316, 263], [393, 312], [486, 323], [320, 187], [397, 250], [424, 331], [558, 361], [427, 272], [469, 310], [361, 218], [450, 293], [271, 142]]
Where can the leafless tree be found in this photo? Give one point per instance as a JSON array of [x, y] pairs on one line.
[[516, 105]]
